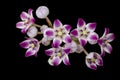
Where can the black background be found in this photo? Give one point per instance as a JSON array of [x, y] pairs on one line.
[[103, 13]]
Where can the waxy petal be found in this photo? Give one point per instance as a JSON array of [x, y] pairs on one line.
[[67, 39], [106, 32], [81, 23], [74, 33], [67, 27], [55, 61], [24, 16], [57, 24], [108, 48], [43, 28], [30, 52], [110, 37], [56, 42], [93, 37], [91, 27], [49, 52], [30, 12], [25, 44], [83, 42], [20, 25], [49, 33], [66, 60]]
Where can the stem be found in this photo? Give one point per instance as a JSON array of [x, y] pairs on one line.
[[39, 33], [36, 25], [85, 51], [40, 41], [77, 42], [48, 21]]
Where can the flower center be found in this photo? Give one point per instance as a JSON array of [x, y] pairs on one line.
[[106, 42], [59, 54], [32, 45], [26, 20], [92, 60], [84, 32], [60, 33]]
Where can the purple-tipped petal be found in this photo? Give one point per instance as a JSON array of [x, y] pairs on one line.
[[108, 48], [20, 25], [56, 42], [80, 23], [106, 32], [30, 52], [91, 26], [74, 33], [100, 41], [83, 42], [25, 44], [24, 15], [49, 52], [67, 39], [55, 61], [49, 33], [68, 28], [67, 50], [66, 60], [93, 37], [99, 62], [102, 52], [24, 30], [93, 66], [110, 37], [30, 12], [57, 23]]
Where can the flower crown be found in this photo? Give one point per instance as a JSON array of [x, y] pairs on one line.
[[63, 40]]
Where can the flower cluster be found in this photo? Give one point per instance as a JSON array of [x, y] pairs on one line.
[[63, 40]]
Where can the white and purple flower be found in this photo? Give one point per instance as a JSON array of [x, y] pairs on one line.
[[93, 59], [32, 45], [85, 32], [104, 42], [59, 33], [57, 55], [27, 21]]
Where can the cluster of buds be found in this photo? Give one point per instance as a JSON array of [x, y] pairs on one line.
[[63, 40]]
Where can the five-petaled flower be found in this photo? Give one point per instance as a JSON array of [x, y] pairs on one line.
[[63, 41], [57, 55], [59, 33], [27, 21], [85, 32], [93, 59], [104, 42], [32, 45]]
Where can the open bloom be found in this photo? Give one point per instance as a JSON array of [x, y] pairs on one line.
[[27, 21], [32, 45], [93, 59], [104, 42], [59, 33], [57, 55], [85, 32]]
